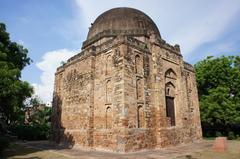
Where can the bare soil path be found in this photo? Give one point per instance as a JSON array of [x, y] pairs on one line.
[[48, 150]]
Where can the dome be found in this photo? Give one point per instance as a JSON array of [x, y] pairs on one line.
[[123, 20]]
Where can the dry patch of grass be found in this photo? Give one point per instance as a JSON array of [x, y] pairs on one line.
[[196, 151], [22, 152], [233, 152]]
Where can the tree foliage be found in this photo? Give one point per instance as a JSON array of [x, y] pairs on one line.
[[41, 116], [13, 91], [218, 82], [36, 121]]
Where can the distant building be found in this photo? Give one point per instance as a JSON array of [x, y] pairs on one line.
[[127, 89], [29, 111]]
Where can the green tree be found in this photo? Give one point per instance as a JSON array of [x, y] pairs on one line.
[[33, 101], [218, 82], [13, 91], [41, 116]]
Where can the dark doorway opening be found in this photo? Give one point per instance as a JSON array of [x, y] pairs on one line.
[[170, 112]]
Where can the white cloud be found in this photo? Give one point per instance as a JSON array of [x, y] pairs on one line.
[[51, 60], [207, 28], [188, 23]]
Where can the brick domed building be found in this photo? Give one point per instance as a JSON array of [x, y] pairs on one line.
[[126, 90]]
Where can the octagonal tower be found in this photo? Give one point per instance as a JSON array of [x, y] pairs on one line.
[[126, 90]]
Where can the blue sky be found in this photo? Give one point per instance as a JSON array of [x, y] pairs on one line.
[[53, 30]]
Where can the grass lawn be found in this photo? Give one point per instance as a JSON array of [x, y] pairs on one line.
[[233, 152], [21, 152]]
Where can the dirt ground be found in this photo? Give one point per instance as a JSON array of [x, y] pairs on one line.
[[48, 150]]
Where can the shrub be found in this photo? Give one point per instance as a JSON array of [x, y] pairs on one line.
[[4, 143], [32, 132], [231, 135], [218, 134], [232, 131], [237, 137]]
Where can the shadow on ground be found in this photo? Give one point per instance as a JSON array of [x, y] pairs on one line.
[[35, 149]]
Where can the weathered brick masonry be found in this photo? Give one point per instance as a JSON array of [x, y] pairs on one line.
[[126, 90]]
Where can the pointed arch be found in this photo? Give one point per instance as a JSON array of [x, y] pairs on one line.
[[170, 93], [170, 74]]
